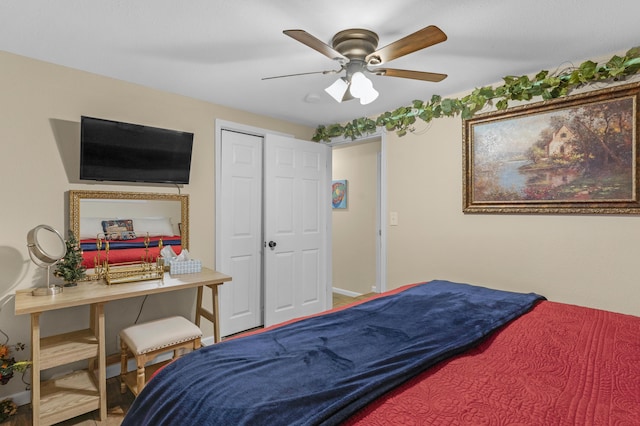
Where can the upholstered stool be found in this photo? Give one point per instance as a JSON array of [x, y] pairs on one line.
[[147, 340]]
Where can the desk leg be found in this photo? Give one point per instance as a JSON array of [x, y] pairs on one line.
[[97, 324], [35, 367], [199, 306], [212, 316], [216, 317]]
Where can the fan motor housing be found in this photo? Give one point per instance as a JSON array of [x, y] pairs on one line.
[[355, 43]]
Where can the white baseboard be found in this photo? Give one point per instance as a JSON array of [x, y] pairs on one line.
[[345, 292], [208, 341], [113, 370], [20, 398]]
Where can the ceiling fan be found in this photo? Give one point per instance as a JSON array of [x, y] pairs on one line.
[[356, 50]]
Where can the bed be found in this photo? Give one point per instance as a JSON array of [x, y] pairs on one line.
[[133, 250], [435, 353]]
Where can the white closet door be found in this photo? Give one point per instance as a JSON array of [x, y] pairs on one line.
[[297, 206], [241, 210]]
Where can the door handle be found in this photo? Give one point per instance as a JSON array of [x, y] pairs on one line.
[[272, 244]]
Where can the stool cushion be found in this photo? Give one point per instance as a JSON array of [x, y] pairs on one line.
[[154, 335]]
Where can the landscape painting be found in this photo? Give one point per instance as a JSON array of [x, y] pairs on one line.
[[576, 155]]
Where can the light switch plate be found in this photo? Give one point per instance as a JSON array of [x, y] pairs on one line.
[[393, 218]]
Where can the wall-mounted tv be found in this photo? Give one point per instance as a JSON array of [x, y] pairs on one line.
[[116, 151]]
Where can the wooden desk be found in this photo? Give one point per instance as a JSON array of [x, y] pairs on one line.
[[79, 392]]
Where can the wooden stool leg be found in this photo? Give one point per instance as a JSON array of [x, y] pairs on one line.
[[140, 373], [145, 341], [123, 366]]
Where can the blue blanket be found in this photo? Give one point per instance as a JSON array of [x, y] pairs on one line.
[[321, 370]]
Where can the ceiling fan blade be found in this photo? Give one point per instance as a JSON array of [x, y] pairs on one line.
[[421, 39], [302, 73], [309, 40], [416, 75]]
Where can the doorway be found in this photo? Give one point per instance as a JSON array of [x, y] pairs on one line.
[[380, 189], [356, 236]]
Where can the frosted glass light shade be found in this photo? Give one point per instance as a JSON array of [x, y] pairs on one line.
[[338, 89], [362, 88]]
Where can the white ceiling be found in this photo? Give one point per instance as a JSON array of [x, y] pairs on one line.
[[219, 50]]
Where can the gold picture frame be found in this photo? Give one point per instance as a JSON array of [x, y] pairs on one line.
[[118, 201], [575, 155]]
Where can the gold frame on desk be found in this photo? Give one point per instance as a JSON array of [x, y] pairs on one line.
[[128, 273]]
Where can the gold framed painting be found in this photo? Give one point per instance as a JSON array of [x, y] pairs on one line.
[[576, 155]]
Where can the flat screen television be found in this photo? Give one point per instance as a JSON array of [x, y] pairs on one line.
[[116, 151]]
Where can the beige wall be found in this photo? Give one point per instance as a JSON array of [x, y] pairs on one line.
[[577, 259], [40, 109], [354, 228]]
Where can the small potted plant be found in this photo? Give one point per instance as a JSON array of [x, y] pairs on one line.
[[70, 267]]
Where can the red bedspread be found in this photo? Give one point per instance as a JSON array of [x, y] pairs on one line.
[[556, 365], [123, 255], [135, 254]]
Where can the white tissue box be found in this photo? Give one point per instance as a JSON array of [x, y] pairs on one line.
[[184, 266]]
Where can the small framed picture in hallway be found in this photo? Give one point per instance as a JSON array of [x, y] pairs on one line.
[[339, 194]]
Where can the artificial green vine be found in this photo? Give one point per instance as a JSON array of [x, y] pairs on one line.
[[514, 89]]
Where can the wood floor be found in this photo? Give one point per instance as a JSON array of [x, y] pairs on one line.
[[117, 403], [341, 300]]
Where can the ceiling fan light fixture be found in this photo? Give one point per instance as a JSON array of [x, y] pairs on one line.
[[361, 87], [369, 97], [356, 49], [338, 89]]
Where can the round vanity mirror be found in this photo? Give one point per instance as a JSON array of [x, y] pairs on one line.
[[46, 248]]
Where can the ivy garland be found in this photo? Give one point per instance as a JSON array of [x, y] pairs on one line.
[[514, 89]]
